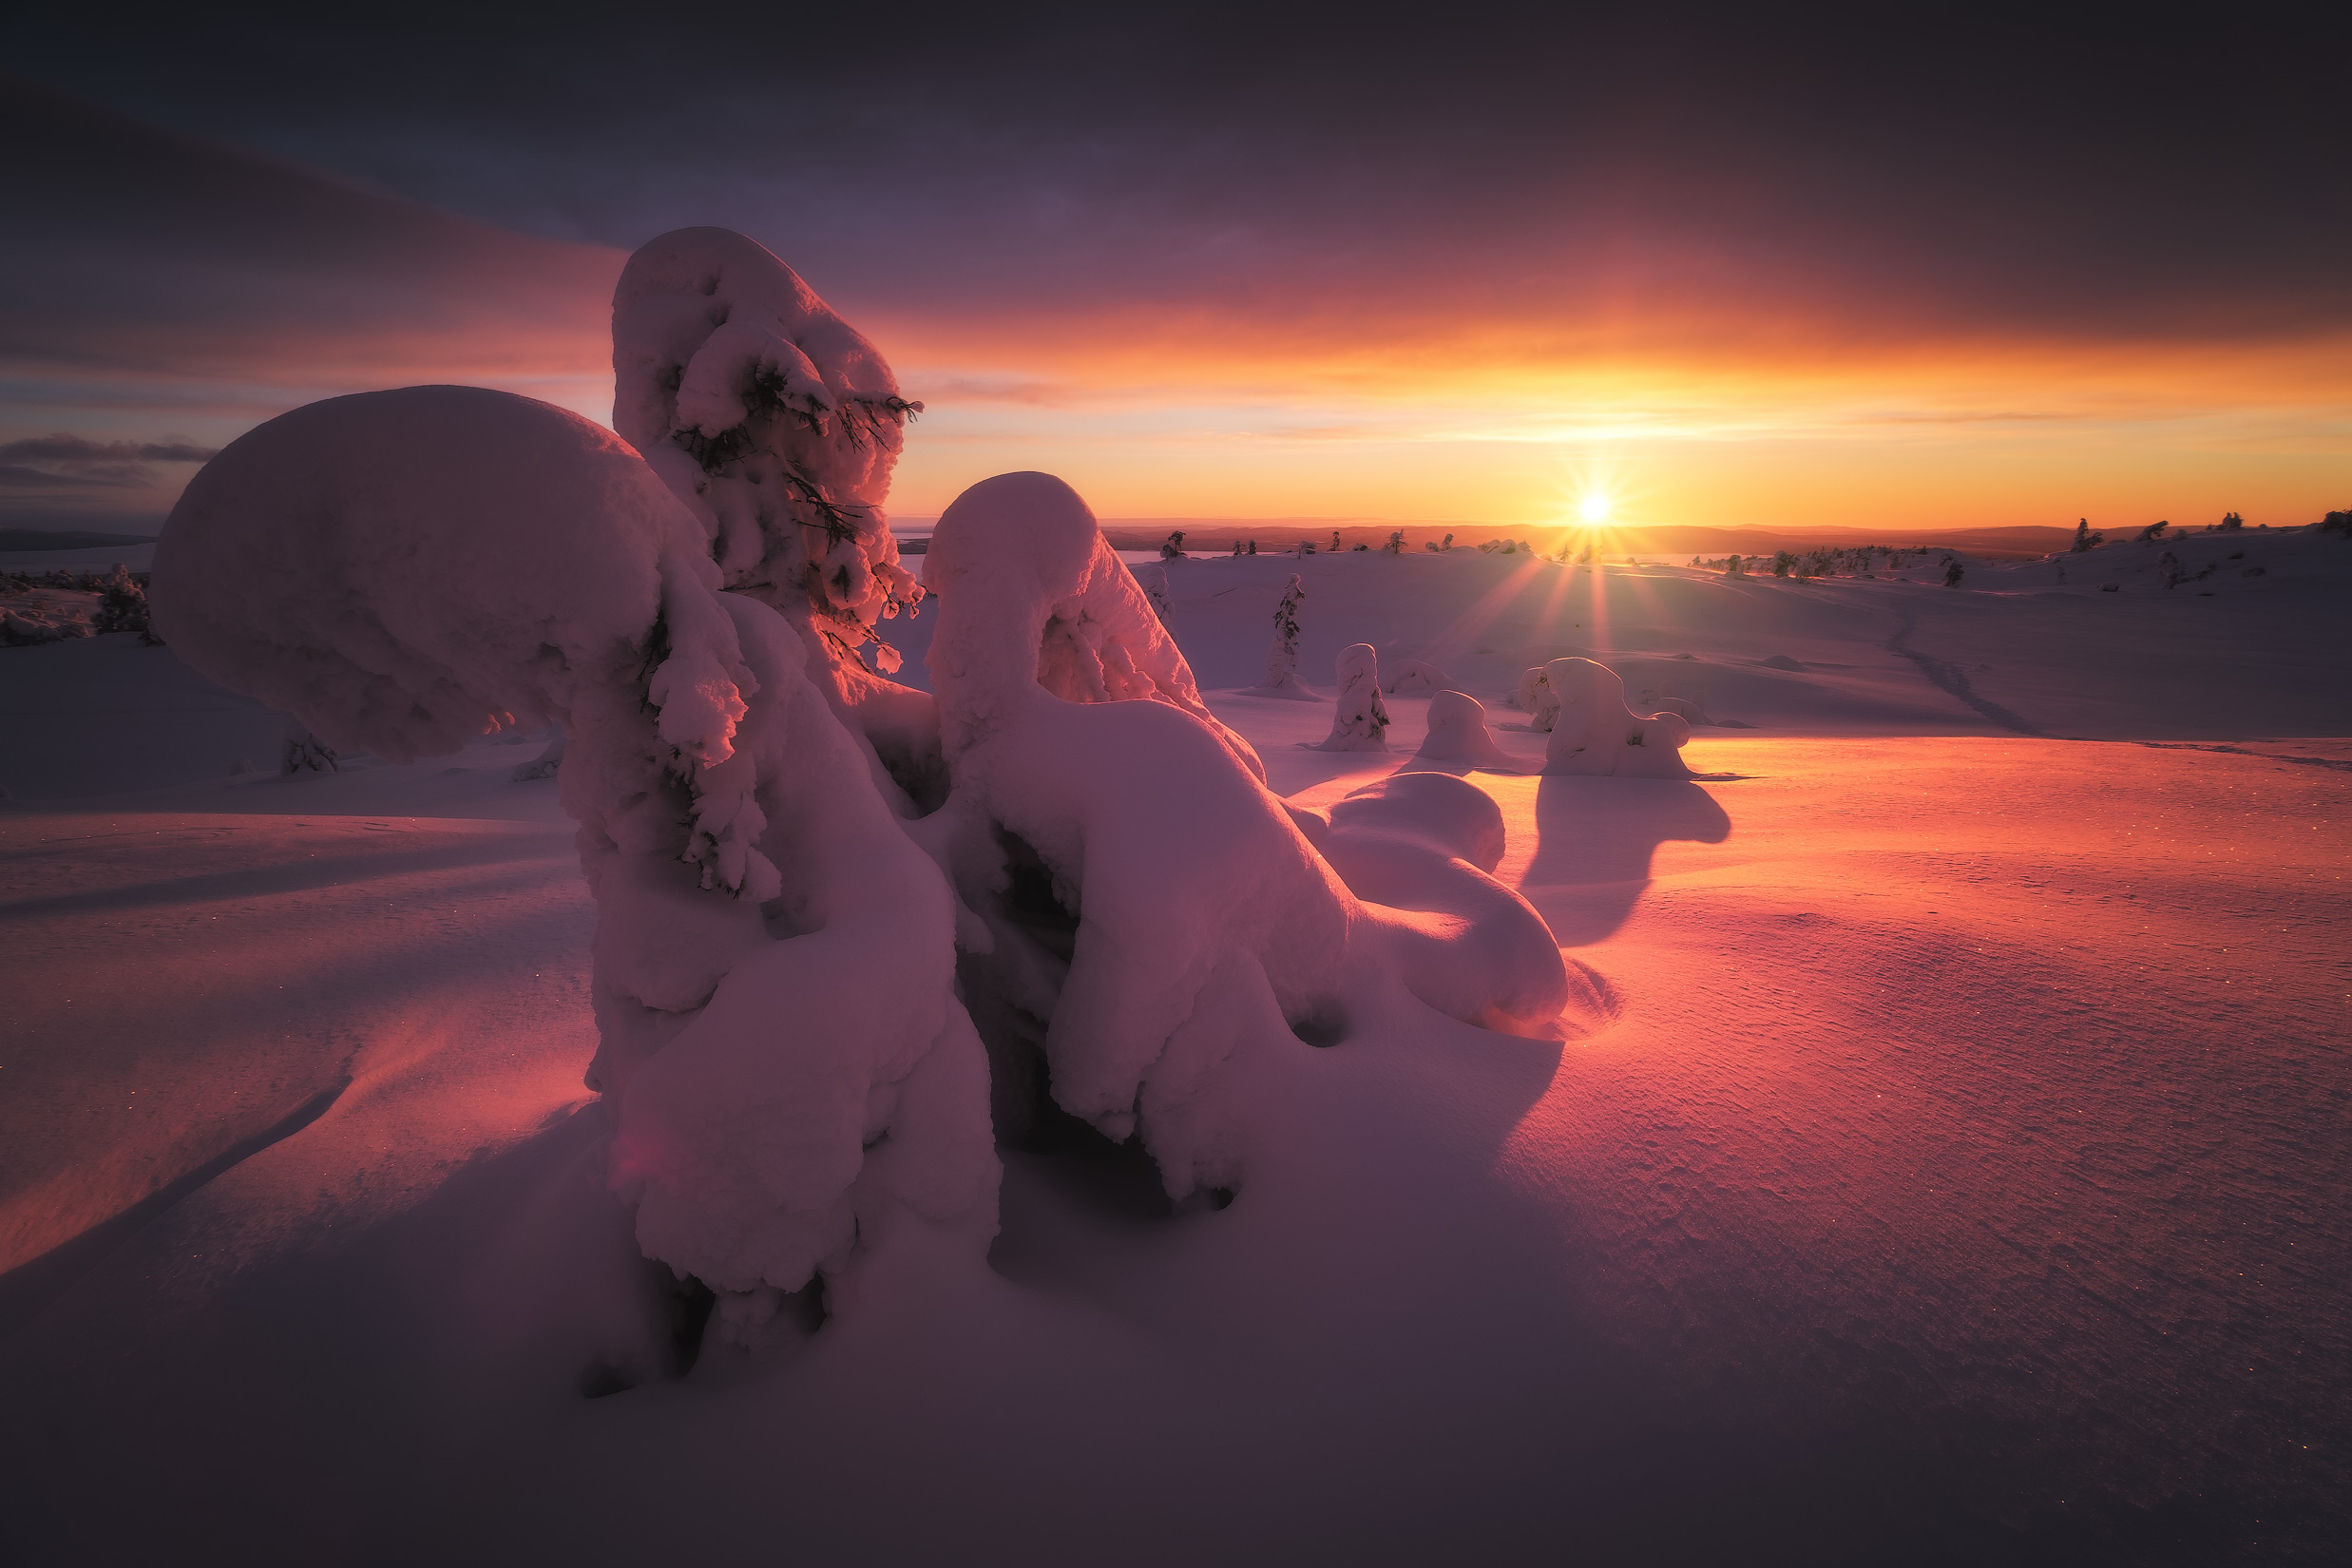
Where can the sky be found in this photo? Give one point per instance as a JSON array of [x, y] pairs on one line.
[[1722, 264]]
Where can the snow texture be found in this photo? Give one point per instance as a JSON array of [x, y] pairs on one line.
[[1360, 721], [1596, 733]]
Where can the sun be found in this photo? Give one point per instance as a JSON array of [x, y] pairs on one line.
[[1593, 508]]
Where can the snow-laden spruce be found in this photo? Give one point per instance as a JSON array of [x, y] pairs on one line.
[[787, 1073], [1282, 653], [1360, 719], [778, 425], [1596, 732]]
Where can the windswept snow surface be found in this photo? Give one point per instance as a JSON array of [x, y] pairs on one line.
[[1954, 1168]]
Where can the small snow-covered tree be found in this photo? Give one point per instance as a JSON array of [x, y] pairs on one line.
[[2151, 533], [1174, 548], [2337, 523], [1457, 731], [123, 606], [1156, 589], [1952, 572], [1396, 542], [1281, 653], [1360, 721], [304, 753], [1732, 566], [2231, 522]]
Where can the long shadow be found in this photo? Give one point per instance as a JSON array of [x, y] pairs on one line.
[[1594, 838]]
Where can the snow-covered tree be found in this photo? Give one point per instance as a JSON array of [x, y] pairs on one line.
[[304, 753], [1282, 653], [1360, 721], [1597, 734], [1156, 589], [2231, 522], [777, 424], [122, 605], [1952, 572], [1173, 548], [1396, 542], [2150, 534], [787, 1074], [1457, 731]]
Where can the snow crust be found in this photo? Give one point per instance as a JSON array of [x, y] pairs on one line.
[[2022, 1104]]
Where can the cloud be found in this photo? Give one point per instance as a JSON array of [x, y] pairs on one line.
[[75, 450], [18, 477]]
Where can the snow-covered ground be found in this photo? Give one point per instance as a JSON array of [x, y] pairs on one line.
[[1957, 1171]]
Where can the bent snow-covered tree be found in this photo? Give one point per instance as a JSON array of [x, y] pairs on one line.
[[773, 959], [1150, 907], [1596, 732]]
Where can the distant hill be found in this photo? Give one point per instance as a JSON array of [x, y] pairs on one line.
[[67, 539], [1203, 534]]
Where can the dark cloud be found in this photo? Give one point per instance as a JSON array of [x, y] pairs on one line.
[[16, 476], [74, 451], [2115, 171]]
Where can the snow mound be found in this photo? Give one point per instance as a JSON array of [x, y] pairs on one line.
[[784, 1065], [1419, 847], [1596, 733], [1782, 662], [1413, 674], [1360, 722], [1664, 699], [1458, 732]]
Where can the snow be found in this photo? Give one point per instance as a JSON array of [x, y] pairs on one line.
[[1918, 1136]]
